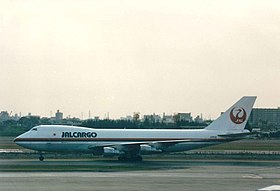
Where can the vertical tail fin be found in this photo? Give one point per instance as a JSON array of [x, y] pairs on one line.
[[235, 118]]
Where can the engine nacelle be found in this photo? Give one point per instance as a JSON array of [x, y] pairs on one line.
[[149, 149], [110, 151]]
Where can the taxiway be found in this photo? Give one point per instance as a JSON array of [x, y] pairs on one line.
[[29, 175]]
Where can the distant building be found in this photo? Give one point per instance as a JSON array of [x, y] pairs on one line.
[[127, 118], [58, 115], [96, 118], [168, 119], [270, 116], [184, 117], [4, 116], [152, 118]]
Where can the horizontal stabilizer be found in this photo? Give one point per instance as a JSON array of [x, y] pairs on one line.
[[238, 135]]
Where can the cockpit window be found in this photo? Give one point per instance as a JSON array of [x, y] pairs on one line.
[[34, 129]]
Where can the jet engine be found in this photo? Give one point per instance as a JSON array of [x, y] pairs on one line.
[[110, 151], [149, 149]]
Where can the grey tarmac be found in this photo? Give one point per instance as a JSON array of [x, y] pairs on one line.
[[149, 175]]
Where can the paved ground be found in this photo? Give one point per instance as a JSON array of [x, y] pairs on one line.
[[150, 175]]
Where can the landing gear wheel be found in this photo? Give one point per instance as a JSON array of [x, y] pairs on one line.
[[41, 158]]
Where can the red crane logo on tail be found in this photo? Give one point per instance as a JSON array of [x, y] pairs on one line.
[[238, 115]]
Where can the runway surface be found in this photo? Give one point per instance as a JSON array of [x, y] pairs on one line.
[[150, 175]]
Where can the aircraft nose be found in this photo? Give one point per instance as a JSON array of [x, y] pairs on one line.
[[19, 138], [16, 139]]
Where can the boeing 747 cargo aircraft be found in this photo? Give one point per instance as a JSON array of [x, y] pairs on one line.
[[130, 144]]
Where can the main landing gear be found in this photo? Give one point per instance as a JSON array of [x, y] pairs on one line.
[[136, 158], [41, 157]]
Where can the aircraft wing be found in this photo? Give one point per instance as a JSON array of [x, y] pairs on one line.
[[139, 146], [119, 145]]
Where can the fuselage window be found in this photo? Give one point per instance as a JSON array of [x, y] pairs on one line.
[[34, 129]]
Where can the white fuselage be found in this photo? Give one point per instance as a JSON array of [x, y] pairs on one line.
[[57, 138]]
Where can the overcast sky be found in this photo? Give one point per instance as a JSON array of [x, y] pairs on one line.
[[125, 56]]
